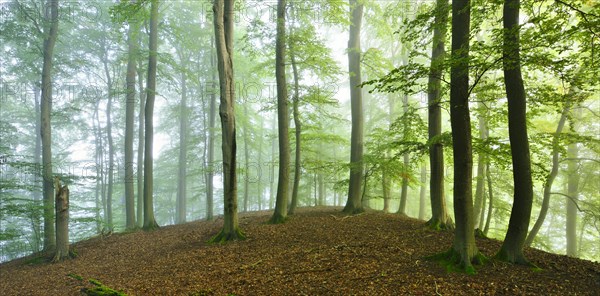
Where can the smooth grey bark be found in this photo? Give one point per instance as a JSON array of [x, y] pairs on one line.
[[354, 202], [141, 145], [406, 159], [99, 195], [223, 24], [36, 195], [423, 192], [149, 220], [573, 196], [246, 130], [50, 36], [464, 248], [439, 213], [297, 126], [480, 179], [211, 138], [109, 137], [518, 225], [182, 166], [283, 118], [132, 50], [488, 176], [551, 176], [62, 222]]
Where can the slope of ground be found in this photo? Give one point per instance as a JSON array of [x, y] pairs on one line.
[[317, 252]]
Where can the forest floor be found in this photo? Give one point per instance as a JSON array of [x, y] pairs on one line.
[[318, 251]]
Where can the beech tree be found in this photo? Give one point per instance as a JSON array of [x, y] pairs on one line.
[[50, 33], [354, 202], [149, 221], [223, 23], [281, 209], [512, 247], [129, 124]]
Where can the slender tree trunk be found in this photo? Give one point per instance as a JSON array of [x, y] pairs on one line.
[[246, 128], [272, 167], [132, 50], [297, 128], [280, 213], [573, 196], [99, 166], [141, 144], [36, 195], [182, 167], [439, 213], [149, 221], [423, 192], [260, 162], [111, 154], [551, 176], [491, 204], [51, 33], [223, 24], [479, 192], [211, 137], [464, 250], [512, 248], [354, 202], [406, 159], [385, 185]]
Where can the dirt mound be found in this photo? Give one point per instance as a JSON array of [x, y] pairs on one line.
[[319, 251]]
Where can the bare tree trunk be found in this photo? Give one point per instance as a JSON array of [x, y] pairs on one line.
[[551, 176], [223, 23], [423, 192], [109, 215], [62, 222], [512, 247], [297, 124], [406, 159], [182, 167], [132, 50], [464, 250], [141, 144], [479, 191], [36, 195], [51, 33], [149, 221], [491, 204], [211, 138], [573, 196], [354, 202], [246, 128], [280, 213], [439, 213]]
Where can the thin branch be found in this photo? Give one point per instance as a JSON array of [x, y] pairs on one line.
[[583, 15]]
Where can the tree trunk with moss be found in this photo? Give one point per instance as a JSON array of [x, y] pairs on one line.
[[439, 213], [297, 125], [280, 213], [518, 225], [129, 122], [464, 251], [223, 24]]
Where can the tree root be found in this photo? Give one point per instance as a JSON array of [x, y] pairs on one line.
[[453, 261], [223, 237]]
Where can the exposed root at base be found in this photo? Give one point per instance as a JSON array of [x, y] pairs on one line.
[[223, 237]]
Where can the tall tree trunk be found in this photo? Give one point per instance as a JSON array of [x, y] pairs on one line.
[[99, 166], [406, 159], [141, 145], [36, 195], [223, 23], [62, 222], [479, 192], [297, 125], [149, 221], [51, 33], [283, 120], [182, 167], [111, 153], [423, 192], [464, 249], [385, 185], [512, 248], [354, 202], [571, 199], [132, 50], [246, 128], [211, 137], [551, 176], [259, 183], [439, 213], [272, 166], [491, 204]]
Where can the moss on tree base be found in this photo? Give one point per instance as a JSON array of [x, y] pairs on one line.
[[277, 219], [223, 237], [514, 258], [352, 210], [439, 225], [453, 262], [152, 226]]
